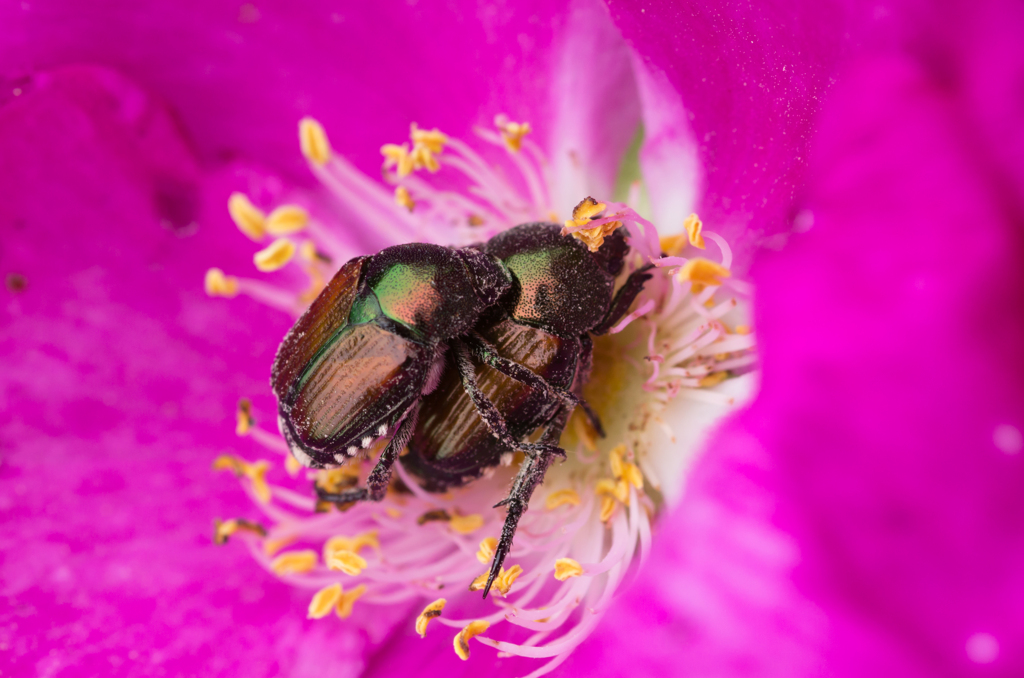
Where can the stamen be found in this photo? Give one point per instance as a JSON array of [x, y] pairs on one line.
[[353, 544], [275, 256], [250, 220], [486, 552], [272, 546], [512, 133], [466, 524], [434, 139], [713, 379], [217, 284], [403, 198], [254, 472], [294, 562], [287, 219], [224, 529], [429, 612], [702, 273], [422, 156], [398, 157], [347, 561], [503, 582], [348, 599], [313, 142], [472, 630], [562, 498], [586, 211], [566, 568], [693, 226], [673, 245], [324, 601], [245, 420]]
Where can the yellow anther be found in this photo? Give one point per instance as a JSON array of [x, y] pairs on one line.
[[562, 498], [256, 472], [258, 475], [479, 583], [486, 552], [294, 562], [472, 630], [433, 139], [512, 133], [398, 157], [393, 512], [347, 600], [475, 220], [503, 582], [693, 226], [292, 465], [742, 329], [403, 199], [313, 141], [275, 256], [226, 461], [567, 567], [713, 379], [422, 157], [245, 421], [347, 561], [287, 219], [272, 546], [672, 245], [631, 474], [616, 461], [466, 524], [224, 529], [607, 508], [586, 211], [429, 612], [217, 284], [702, 273], [353, 544], [324, 601], [605, 487], [249, 218]]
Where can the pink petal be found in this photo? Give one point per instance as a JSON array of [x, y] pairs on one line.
[[864, 516], [119, 383], [751, 82]]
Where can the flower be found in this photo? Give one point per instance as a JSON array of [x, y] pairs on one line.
[[117, 380], [592, 527]]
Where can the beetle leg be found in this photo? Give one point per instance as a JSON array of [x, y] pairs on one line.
[[489, 413], [380, 477], [483, 350], [624, 299], [531, 474]]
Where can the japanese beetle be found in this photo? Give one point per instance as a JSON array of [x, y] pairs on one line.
[[355, 365], [527, 361], [463, 376]]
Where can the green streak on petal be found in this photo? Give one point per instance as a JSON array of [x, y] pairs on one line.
[[629, 171]]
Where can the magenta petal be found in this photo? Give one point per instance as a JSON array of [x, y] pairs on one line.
[[119, 383], [751, 81], [240, 75], [865, 516], [596, 108]]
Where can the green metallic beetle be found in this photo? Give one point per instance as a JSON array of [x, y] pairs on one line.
[[461, 354]]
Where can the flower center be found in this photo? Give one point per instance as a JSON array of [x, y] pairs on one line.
[[588, 526]]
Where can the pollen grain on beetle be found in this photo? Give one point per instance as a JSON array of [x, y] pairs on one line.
[[680, 344]]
